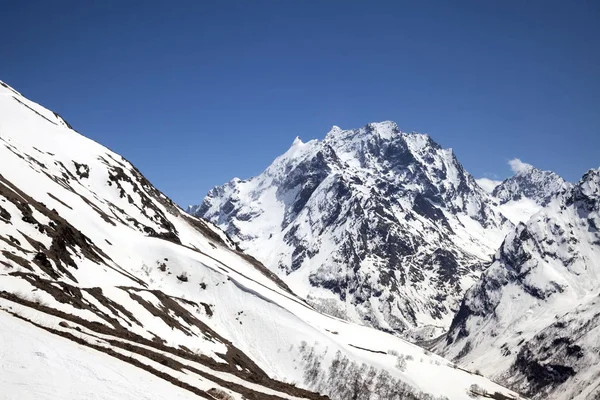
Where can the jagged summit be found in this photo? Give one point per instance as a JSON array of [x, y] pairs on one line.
[[531, 183], [334, 130], [384, 128], [297, 141], [371, 224]]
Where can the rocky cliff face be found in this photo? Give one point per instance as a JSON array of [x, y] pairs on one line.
[[373, 225], [532, 319]]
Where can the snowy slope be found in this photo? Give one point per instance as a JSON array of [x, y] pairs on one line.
[[37, 365], [373, 225], [532, 321], [100, 270]]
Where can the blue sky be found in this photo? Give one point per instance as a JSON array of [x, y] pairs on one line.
[[195, 93]]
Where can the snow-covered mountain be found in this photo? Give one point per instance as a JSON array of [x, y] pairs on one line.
[[533, 320], [109, 290], [373, 225], [529, 182], [527, 191]]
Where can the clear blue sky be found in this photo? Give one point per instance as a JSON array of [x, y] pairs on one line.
[[195, 93]]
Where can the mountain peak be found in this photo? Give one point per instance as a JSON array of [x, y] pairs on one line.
[[372, 203], [521, 168], [587, 189], [297, 141], [383, 129], [334, 130], [529, 182]]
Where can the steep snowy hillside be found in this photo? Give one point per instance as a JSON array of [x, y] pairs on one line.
[[108, 288], [527, 191], [533, 320], [372, 225]]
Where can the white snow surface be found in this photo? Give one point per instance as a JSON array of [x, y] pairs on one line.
[[87, 240], [520, 210], [36, 365]]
